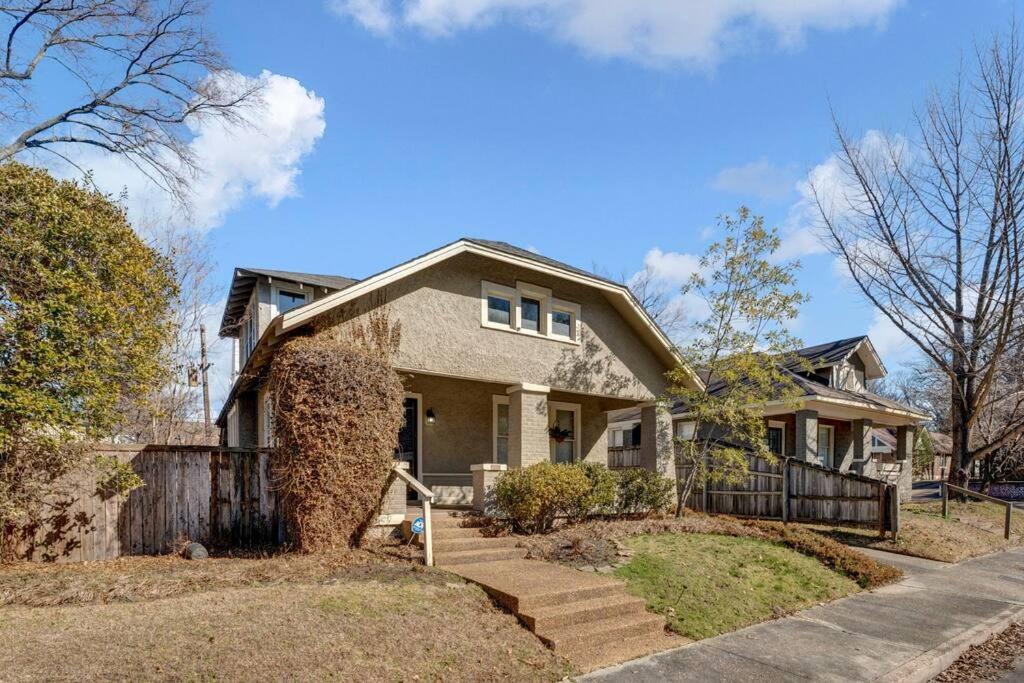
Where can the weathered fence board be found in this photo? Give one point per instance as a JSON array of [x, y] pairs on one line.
[[212, 495], [792, 490]]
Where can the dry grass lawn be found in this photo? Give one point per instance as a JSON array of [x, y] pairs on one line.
[[973, 529], [285, 617]]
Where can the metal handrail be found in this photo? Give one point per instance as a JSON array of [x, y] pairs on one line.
[[945, 504], [428, 498]]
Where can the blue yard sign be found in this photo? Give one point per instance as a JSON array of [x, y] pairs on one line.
[[417, 525]]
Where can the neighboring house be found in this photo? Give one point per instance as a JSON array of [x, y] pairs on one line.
[[942, 447], [836, 422], [498, 344]]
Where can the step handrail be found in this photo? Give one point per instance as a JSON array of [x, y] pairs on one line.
[[428, 498], [946, 486]]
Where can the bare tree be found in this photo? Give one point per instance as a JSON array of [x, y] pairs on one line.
[[929, 228], [170, 414], [145, 69], [659, 302]]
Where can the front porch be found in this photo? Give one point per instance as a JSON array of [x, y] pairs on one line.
[[453, 424]]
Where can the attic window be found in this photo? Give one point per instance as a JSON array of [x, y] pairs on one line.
[[499, 310], [528, 309], [287, 299]]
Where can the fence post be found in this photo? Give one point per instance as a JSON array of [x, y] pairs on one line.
[[895, 512], [945, 501], [881, 509], [1009, 511], [785, 490], [704, 488]]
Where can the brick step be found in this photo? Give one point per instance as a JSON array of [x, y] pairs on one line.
[[610, 630], [593, 657], [523, 604], [460, 557], [478, 543], [580, 613], [446, 533]]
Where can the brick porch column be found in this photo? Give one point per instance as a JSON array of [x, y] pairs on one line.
[[806, 448], [485, 475], [861, 446], [657, 451], [905, 442], [844, 446], [527, 425]]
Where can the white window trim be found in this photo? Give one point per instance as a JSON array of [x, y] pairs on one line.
[[830, 453], [780, 425], [495, 402], [576, 428], [290, 289], [515, 296]]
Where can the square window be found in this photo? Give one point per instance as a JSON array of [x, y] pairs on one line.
[[286, 301], [499, 310], [530, 311], [561, 323]]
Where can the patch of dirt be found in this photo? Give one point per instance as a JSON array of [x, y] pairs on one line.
[[989, 661]]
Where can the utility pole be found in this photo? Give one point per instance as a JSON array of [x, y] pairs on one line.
[[204, 366]]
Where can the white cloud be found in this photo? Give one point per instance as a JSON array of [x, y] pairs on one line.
[[257, 158], [690, 32], [371, 14], [671, 267], [892, 345], [759, 179]]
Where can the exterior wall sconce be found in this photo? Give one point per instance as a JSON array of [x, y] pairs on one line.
[[431, 418]]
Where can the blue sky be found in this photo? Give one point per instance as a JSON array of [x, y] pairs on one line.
[[549, 129]]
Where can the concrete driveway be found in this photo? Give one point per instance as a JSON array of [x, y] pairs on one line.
[[909, 631]]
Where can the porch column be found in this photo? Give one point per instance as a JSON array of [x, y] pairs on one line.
[[806, 436], [905, 442], [527, 425], [657, 452], [844, 446], [862, 446]]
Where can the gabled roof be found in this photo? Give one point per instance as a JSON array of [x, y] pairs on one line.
[[834, 352], [244, 279], [617, 293]]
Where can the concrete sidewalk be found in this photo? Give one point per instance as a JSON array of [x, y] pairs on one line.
[[909, 631]]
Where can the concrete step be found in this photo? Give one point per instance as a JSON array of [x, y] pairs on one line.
[[589, 658], [582, 612], [477, 543], [528, 603], [446, 521], [446, 533], [462, 557], [610, 630]]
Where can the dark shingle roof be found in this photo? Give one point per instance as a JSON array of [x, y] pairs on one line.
[[827, 353], [513, 250], [245, 279]]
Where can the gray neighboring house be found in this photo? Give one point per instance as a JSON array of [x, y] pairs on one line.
[[498, 345], [836, 423]]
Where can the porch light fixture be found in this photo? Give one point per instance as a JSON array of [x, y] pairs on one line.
[[431, 418]]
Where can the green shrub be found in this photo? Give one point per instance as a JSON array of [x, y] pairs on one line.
[[115, 478], [600, 499], [641, 492], [533, 497]]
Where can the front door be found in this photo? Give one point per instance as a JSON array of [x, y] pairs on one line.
[[408, 439]]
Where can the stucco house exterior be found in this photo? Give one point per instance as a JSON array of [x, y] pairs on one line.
[[498, 345], [836, 422]]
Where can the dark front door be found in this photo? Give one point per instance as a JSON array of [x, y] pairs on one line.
[[408, 439]]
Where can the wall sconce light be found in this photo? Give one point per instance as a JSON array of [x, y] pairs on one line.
[[431, 418]]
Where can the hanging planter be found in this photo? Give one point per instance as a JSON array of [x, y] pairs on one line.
[[559, 434]]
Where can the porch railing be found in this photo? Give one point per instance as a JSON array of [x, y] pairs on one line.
[[428, 498], [620, 457]]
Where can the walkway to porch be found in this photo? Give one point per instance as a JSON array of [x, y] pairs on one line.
[[587, 618]]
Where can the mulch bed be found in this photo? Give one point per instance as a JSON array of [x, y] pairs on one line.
[[989, 661]]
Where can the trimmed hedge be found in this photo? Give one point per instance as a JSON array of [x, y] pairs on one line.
[[533, 498]]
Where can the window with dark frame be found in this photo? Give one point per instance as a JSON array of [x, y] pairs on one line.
[[561, 324], [530, 314], [286, 301], [775, 435]]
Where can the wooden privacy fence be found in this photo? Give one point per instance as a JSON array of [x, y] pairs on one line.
[[794, 491], [216, 496]]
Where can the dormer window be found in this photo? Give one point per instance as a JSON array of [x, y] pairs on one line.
[[530, 314], [286, 300], [499, 310]]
